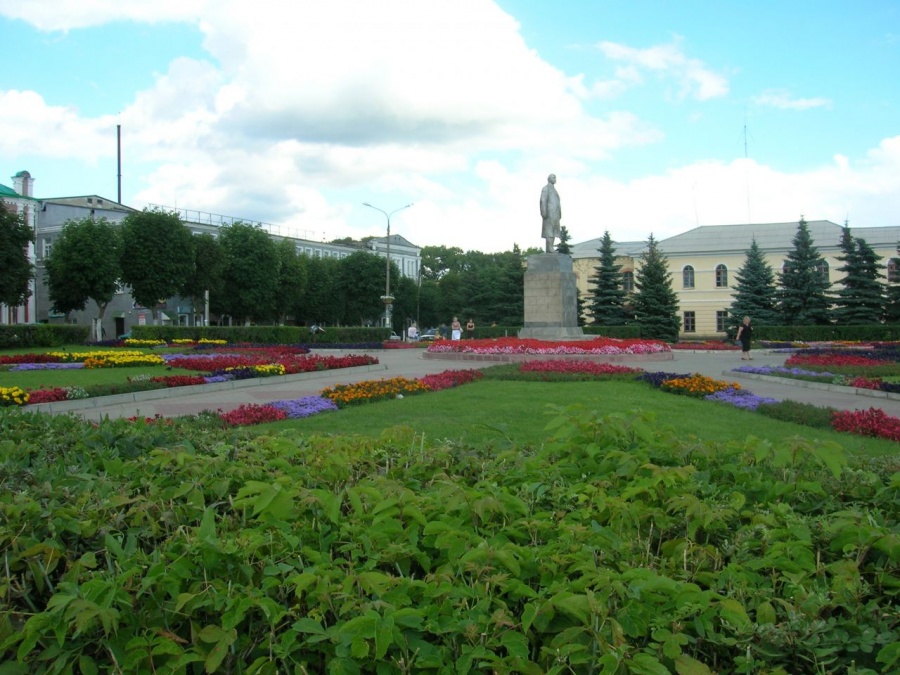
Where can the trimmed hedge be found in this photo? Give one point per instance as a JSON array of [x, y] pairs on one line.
[[283, 335], [630, 331], [872, 333], [42, 335]]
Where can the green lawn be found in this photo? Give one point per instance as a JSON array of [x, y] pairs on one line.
[[516, 413]]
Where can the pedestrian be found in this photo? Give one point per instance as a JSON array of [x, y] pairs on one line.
[[745, 335], [470, 329], [444, 331], [412, 333], [455, 329]]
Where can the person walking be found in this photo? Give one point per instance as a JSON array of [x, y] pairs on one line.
[[745, 335]]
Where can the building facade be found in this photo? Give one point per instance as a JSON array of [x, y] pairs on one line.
[[703, 262], [18, 199]]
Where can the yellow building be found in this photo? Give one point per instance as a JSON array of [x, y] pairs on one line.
[[703, 263]]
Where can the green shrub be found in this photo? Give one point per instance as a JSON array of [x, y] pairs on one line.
[[806, 414], [631, 331], [283, 335], [27, 335]]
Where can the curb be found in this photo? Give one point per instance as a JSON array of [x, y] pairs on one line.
[[821, 386]]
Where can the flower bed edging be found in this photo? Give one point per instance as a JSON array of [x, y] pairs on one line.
[[823, 386]]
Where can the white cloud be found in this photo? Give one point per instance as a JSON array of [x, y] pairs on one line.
[[693, 77], [778, 98], [64, 15]]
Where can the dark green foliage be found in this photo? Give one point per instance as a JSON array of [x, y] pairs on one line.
[[361, 280], [42, 335], [805, 414], [616, 545], [488, 287], [16, 270], [322, 302], [84, 264], [207, 271], [755, 294], [892, 301], [655, 303], [157, 255], [250, 277], [860, 300], [607, 290], [564, 239], [804, 288]]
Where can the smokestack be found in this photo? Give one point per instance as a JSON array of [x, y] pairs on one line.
[[23, 183], [119, 155]]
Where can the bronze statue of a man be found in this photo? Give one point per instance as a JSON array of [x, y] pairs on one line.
[[550, 212]]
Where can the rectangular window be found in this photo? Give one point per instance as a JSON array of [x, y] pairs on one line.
[[721, 318], [690, 322], [48, 246], [628, 282]]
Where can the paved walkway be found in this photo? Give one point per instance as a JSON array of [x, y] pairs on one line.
[[410, 363]]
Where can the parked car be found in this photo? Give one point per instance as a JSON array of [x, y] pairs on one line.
[[430, 335], [394, 336]]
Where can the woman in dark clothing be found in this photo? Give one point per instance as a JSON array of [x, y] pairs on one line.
[[745, 334]]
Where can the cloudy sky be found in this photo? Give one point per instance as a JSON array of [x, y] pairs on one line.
[[656, 116]]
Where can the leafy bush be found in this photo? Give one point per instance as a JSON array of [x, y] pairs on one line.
[[806, 414]]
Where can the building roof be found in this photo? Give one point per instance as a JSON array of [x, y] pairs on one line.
[[8, 192], [731, 239], [396, 240]]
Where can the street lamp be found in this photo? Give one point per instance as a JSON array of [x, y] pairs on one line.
[[387, 298]]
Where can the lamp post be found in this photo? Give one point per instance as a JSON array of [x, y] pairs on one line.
[[387, 298]]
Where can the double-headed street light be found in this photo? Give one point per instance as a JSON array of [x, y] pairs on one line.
[[387, 298]]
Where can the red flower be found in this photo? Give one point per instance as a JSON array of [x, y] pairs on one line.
[[871, 422]]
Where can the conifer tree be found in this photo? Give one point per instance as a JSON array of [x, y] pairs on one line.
[[606, 304], [655, 303], [755, 294], [860, 300], [892, 306], [564, 238], [804, 287]]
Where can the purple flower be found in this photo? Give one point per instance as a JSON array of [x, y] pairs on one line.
[[740, 398], [217, 378], [305, 407], [779, 370], [47, 366]]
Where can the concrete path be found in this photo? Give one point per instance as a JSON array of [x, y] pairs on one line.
[[410, 363]]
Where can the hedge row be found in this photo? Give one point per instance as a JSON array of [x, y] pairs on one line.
[[41, 335], [263, 334]]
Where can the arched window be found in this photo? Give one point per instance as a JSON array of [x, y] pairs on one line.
[[687, 276], [721, 276], [628, 281], [823, 270]]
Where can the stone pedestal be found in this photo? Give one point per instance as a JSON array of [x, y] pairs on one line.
[[551, 299]]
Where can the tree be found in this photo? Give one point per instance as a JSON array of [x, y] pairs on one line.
[[16, 270], [85, 264], [207, 271], [251, 273], [755, 294], [362, 284], [291, 279], [804, 283], [860, 300], [322, 302], [892, 306], [655, 303], [436, 261], [564, 238], [606, 303], [157, 255]]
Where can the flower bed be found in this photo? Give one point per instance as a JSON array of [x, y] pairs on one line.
[[708, 345], [871, 422], [532, 346], [697, 385], [373, 390], [740, 398], [576, 367]]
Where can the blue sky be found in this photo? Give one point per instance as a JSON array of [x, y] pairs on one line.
[[655, 116]]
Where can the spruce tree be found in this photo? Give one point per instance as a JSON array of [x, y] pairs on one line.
[[892, 307], [755, 294], [860, 300], [606, 303], [655, 303], [564, 238], [803, 293]]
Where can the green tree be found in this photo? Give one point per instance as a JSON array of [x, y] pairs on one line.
[[250, 277], [755, 294], [322, 302], [564, 239], [804, 284], [362, 285], [84, 264], [655, 303], [157, 255], [16, 270], [892, 305], [606, 304], [291, 279], [206, 273], [436, 261], [860, 300]]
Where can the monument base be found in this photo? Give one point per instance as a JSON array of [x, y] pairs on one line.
[[551, 299]]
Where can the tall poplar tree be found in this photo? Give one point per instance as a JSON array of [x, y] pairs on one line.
[[655, 303], [755, 294], [804, 288], [16, 270], [606, 303], [861, 298], [892, 306]]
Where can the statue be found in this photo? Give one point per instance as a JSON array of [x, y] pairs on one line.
[[550, 212]]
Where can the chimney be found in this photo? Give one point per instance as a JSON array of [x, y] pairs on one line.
[[23, 183]]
